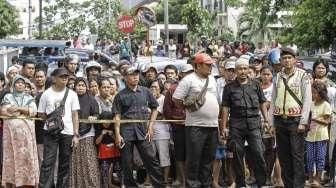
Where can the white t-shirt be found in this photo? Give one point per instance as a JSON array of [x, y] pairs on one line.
[[220, 88], [268, 93], [51, 99], [207, 115], [161, 129]]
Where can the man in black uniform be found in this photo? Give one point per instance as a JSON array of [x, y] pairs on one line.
[[242, 99], [133, 102]]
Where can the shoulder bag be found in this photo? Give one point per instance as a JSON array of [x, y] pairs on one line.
[[195, 101], [287, 88], [54, 122]]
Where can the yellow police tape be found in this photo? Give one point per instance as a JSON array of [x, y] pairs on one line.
[[101, 121]]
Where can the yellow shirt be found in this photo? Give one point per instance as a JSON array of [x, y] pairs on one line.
[[319, 132]]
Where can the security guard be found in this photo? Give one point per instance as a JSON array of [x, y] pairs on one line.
[[242, 100], [291, 103]]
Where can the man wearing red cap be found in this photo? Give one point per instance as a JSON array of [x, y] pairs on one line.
[[201, 121]]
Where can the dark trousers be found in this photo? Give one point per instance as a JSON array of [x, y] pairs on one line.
[[61, 142], [149, 158], [333, 163], [256, 147], [291, 145], [201, 143]]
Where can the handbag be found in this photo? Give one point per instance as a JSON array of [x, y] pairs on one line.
[[108, 151], [54, 122], [195, 101]]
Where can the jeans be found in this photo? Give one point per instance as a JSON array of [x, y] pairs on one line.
[[61, 142], [149, 158], [201, 143], [333, 163], [290, 151], [256, 150]]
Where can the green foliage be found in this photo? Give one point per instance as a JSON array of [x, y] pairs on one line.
[[64, 19], [199, 20], [174, 10], [314, 24], [254, 22], [9, 24], [227, 35]]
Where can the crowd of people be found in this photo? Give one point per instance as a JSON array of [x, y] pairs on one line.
[[263, 121]]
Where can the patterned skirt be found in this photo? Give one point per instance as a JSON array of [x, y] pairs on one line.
[[20, 160], [84, 165]]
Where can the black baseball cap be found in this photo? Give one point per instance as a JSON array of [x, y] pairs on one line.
[[60, 72]]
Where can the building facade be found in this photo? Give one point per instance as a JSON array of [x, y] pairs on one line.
[[226, 17]]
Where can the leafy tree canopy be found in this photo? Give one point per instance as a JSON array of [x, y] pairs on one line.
[[314, 24], [198, 19], [64, 18], [9, 23]]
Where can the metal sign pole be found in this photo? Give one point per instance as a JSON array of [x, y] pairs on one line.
[[166, 23]]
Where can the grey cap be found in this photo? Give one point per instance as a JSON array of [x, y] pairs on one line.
[[287, 51], [131, 70], [186, 68]]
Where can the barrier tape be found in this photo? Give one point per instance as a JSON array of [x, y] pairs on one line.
[[101, 121]]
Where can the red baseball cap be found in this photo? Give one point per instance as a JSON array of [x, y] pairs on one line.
[[203, 58]]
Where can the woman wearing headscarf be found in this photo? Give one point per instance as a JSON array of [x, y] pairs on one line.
[[12, 71], [84, 165], [20, 159], [104, 99]]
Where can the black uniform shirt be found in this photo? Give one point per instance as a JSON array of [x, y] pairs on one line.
[[243, 100], [134, 105]]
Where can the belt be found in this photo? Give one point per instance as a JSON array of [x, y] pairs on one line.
[[240, 117], [284, 116]]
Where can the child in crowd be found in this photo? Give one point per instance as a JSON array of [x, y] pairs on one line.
[[108, 152], [317, 137], [266, 77], [252, 72]]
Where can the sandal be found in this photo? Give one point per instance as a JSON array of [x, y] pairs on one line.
[[315, 184]]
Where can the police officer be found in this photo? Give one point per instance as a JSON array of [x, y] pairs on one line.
[[291, 103], [242, 100], [134, 102]]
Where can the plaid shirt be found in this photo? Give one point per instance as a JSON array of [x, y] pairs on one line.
[[134, 105]]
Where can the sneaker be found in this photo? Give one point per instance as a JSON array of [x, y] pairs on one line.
[[176, 183], [329, 184], [268, 182], [315, 184], [250, 180]]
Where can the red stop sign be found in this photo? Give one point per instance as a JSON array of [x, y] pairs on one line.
[[126, 24]]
